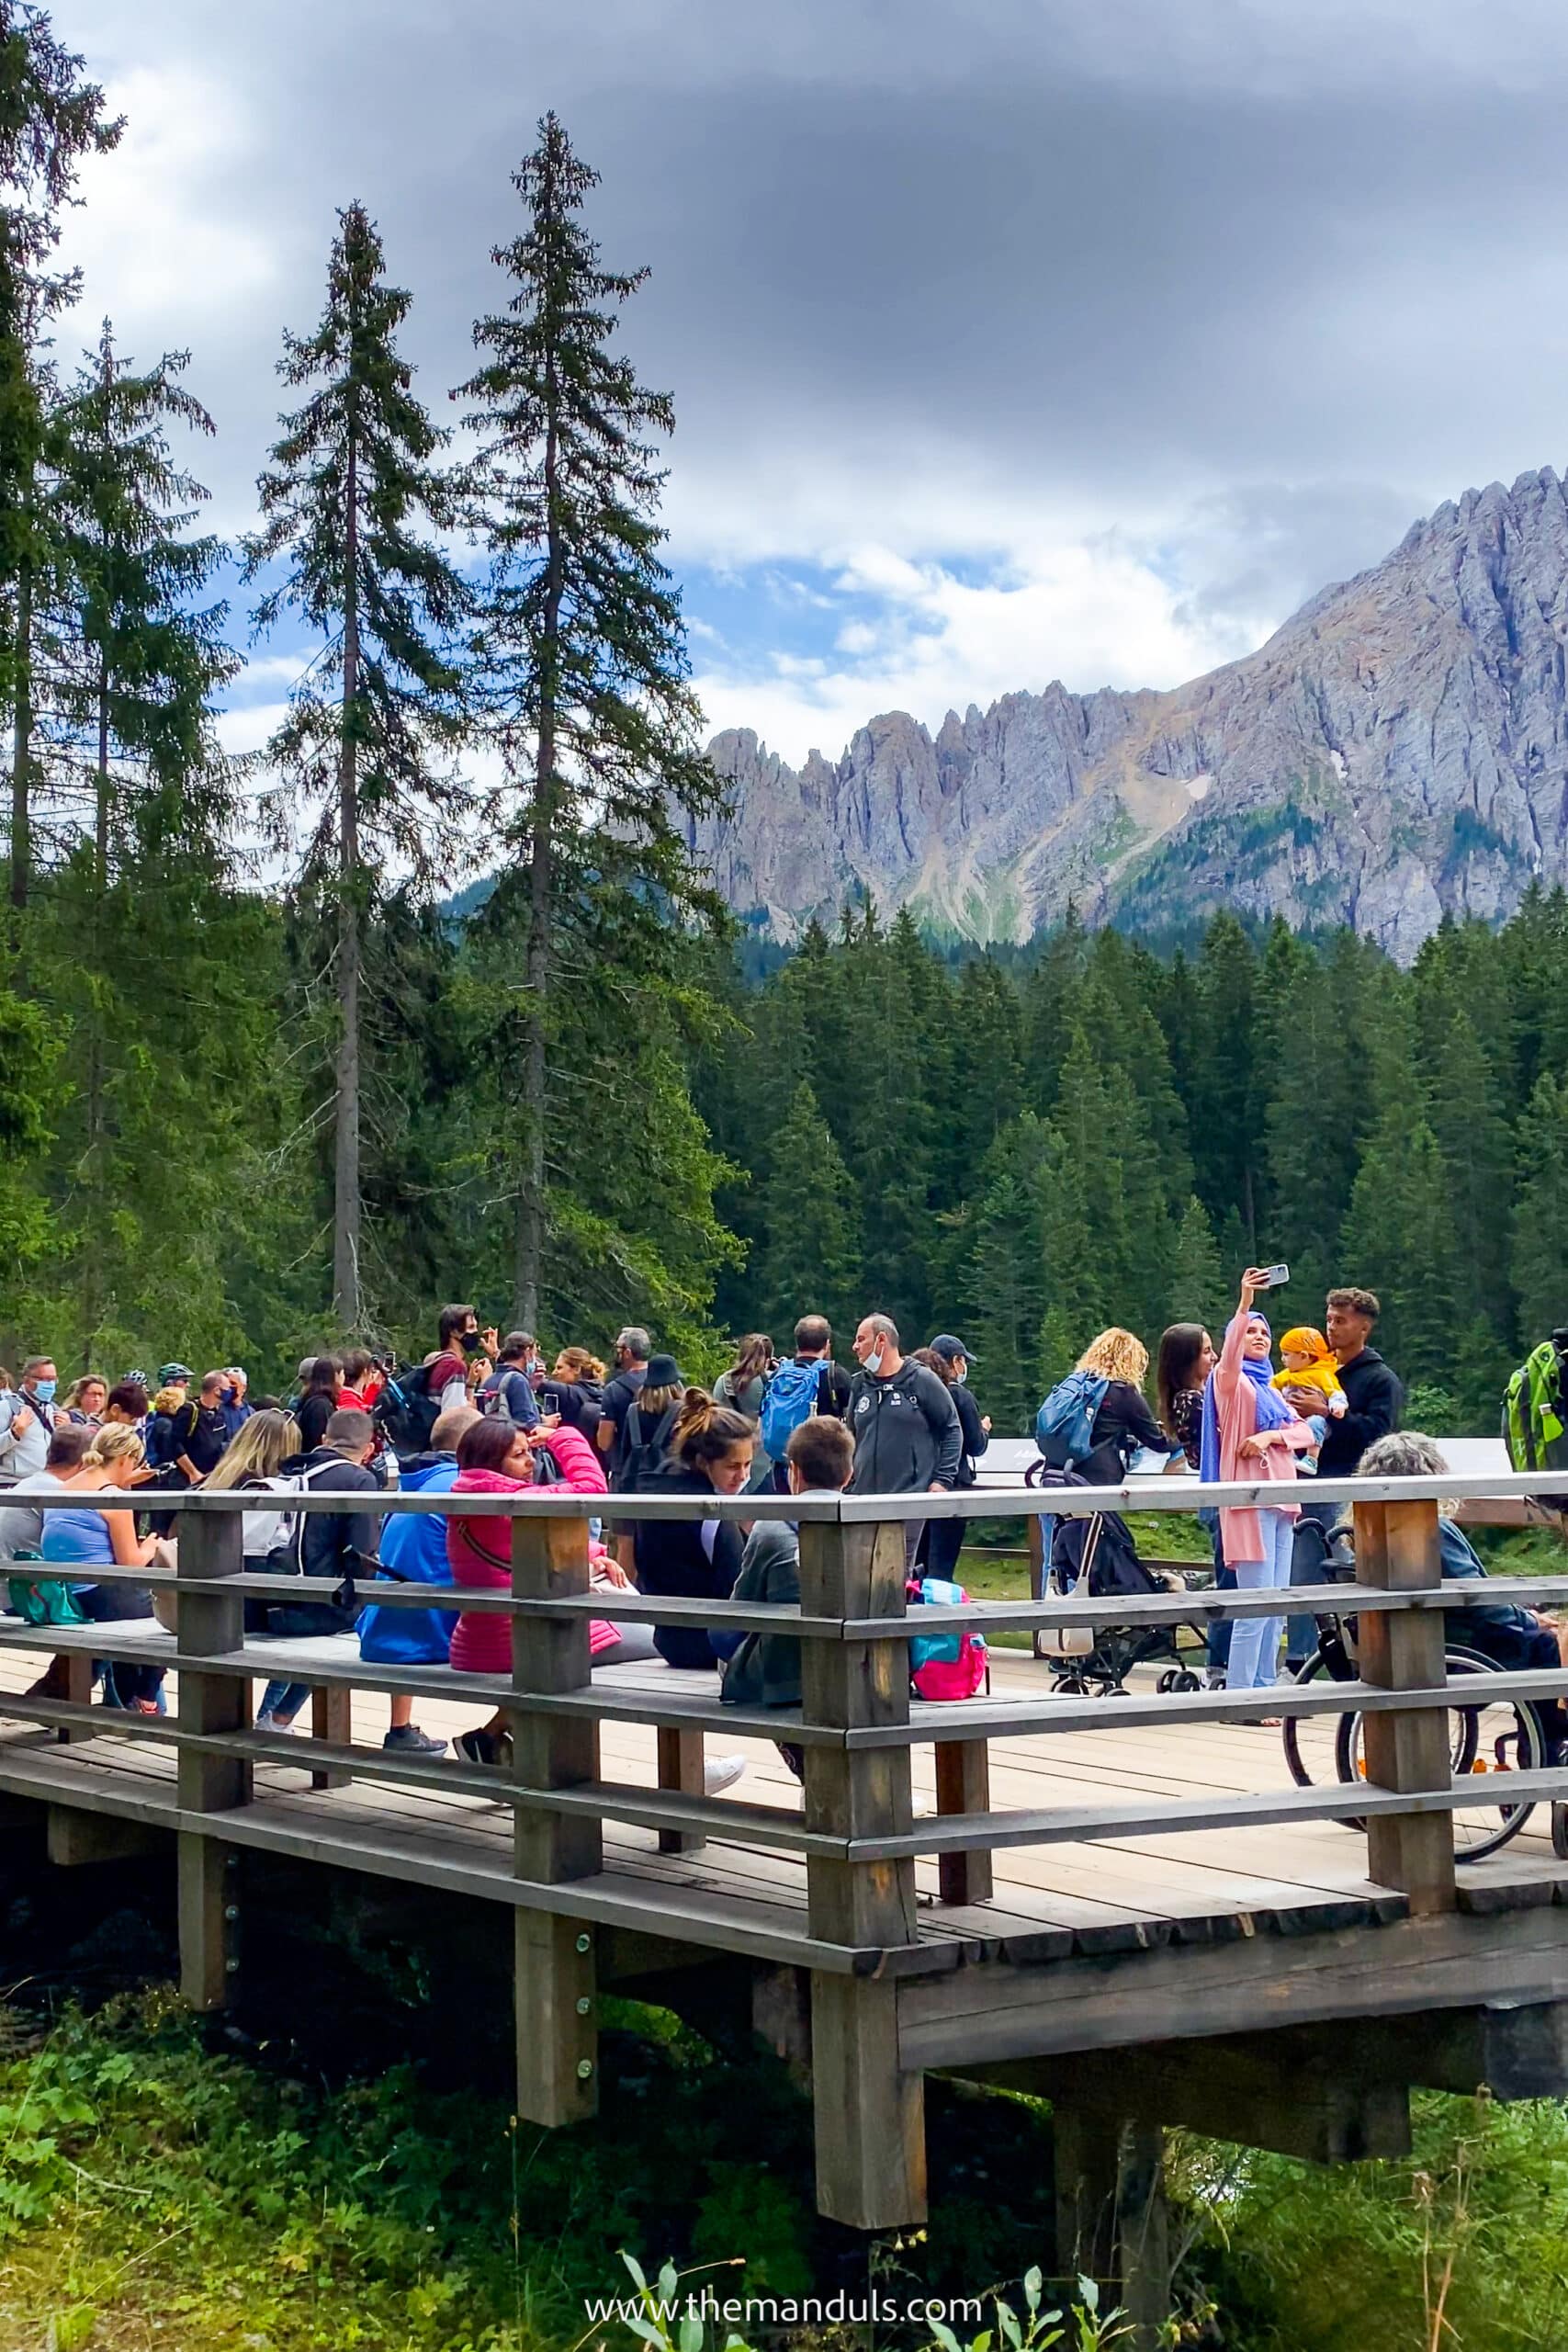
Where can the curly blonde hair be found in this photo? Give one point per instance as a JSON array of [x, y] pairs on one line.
[[1116, 1355]]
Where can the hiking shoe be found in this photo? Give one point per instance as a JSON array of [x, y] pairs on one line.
[[721, 1773], [407, 1739]]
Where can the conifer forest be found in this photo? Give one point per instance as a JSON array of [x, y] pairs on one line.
[[426, 1000]]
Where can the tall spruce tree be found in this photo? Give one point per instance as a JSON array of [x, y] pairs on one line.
[[1540, 1216], [51, 117], [133, 698], [352, 506], [582, 663], [808, 1259]]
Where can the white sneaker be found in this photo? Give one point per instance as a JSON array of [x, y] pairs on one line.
[[721, 1772], [1214, 1678]]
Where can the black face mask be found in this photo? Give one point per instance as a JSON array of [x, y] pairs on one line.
[[470, 1341]]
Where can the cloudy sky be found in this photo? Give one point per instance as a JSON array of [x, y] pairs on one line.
[[1010, 339]]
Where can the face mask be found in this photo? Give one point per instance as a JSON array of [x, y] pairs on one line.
[[873, 1363], [960, 1375], [230, 1396], [44, 1391], [470, 1341]]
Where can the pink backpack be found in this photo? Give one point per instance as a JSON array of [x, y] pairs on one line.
[[945, 1667]]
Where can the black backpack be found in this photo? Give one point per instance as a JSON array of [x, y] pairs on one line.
[[644, 1452], [405, 1412]]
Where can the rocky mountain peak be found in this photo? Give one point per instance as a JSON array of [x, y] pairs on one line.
[[1396, 752]]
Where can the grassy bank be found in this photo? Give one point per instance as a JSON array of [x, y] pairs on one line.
[[164, 2190]]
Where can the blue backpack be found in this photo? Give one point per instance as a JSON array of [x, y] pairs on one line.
[[1063, 1427], [790, 1398]]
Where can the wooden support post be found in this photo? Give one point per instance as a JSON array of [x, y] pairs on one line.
[[680, 1767], [208, 1625], [1112, 2220], [869, 2114], [1085, 2144], [79, 1690], [332, 1717], [1396, 1544], [963, 1785], [1034, 1538], [556, 2020], [1142, 2235]]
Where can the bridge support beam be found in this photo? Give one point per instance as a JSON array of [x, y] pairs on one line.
[[210, 1624], [869, 2112], [556, 1993], [1397, 1545], [1112, 2220]]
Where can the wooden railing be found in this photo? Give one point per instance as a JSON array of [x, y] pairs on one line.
[[858, 1830]]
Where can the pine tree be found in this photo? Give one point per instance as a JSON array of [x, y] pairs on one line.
[[1399, 1241], [1001, 1283], [1477, 1144], [352, 503], [582, 665], [130, 719], [1225, 1144], [51, 117], [807, 1260], [135, 701], [1200, 1291], [1540, 1215]]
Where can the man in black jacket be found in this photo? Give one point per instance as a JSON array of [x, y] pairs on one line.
[[975, 1432], [904, 1423], [330, 1540], [1374, 1400]]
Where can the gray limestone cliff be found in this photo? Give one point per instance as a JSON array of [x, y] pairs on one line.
[[1397, 750]]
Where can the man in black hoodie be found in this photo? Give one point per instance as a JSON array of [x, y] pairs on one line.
[[904, 1423], [1374, 1400]]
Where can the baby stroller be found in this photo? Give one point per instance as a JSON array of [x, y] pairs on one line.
[[1096, 1558]]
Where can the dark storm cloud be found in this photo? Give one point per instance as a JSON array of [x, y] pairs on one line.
[[1261, 279]]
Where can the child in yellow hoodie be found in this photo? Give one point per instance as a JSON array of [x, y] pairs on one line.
[[1310, 1362]]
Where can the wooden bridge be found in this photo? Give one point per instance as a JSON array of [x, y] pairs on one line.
[[1124, 1903]]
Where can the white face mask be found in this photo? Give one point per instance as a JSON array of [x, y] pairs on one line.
[[960, 1375], [874, 1360]]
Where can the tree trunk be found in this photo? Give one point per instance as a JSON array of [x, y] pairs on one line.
[[347, 1297], [541, 890], [22, 738], [97, 1156]]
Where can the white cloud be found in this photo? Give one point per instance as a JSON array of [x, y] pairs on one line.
[[147, 234], [1091, 613]]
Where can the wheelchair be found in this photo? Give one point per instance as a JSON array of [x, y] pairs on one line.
[[1488, 1740]]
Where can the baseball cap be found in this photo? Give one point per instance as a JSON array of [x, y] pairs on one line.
[[948, 1348]]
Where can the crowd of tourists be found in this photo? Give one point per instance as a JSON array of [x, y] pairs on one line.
[[484, 1416]]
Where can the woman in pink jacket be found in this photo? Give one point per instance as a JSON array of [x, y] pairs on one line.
[[1251, 1432], [496, 1457]]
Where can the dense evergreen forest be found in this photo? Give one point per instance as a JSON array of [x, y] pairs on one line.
[[273, 1071], [1094, 1133]]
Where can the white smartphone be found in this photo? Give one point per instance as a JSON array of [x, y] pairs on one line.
[[1272, 1277]]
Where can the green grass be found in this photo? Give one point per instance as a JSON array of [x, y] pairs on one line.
[[158, 2190]]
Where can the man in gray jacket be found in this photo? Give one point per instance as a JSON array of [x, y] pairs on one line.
[[904, 1423]]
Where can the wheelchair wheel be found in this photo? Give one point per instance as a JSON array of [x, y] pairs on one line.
[[1487, 1740], [1312, 1742]]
